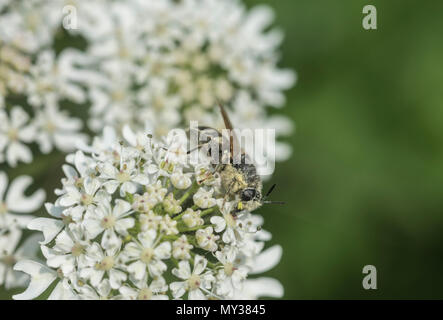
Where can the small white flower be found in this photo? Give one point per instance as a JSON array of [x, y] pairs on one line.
[[147, 254], [181, 248], [55, 128], [101, 263], [206, 239], [86, 197], [52, 79], [156, 191], [181, 180], [143, 202], [171, 205], [149, 221], [143, 291], [227, 223], [168, 226], [232, 275], [126, 177], [203, 198], [195, 282], [192, 218], [110, 220], [14, 133], [69, 251]]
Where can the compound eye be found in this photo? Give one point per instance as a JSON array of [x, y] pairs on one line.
[[248, 194]]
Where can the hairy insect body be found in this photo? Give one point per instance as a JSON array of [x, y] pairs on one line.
[[241, 181]]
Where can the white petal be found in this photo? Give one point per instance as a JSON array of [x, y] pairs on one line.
[[124, 224], [18, 151], [120, 208], [91, 185], [16, 199], [70, 172], [196, 295], [111, 186], [267, 259], [263, 287], [41, 279], [199, 264], [128, 187], [53, 210], [147, 238], [220, 223], [116, 277], [137, 269], [110, 239], [157, 267], [9, 243], [62, 292], [163, 251], [80, 163], [49, 227], [132, 251], [128, 293], [183, 271], [129, 135], [178, 289], [95, 276], [18, 117], [64, 242], [104, 288], [93, 227]]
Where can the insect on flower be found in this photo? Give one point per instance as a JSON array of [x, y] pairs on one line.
[[239, 176]]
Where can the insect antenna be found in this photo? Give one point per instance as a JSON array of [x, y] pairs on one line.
[[273, 202], [269, 191], [267, 195]]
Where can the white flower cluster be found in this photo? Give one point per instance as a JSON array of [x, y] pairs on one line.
[[182, 58], [138, 221], [152, 64], [33, 82], [15, 208]]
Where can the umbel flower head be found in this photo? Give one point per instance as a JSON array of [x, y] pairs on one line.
[[180, 58], [150, 64], [136, 220]]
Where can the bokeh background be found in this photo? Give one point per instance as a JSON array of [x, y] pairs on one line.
[[365, 182]]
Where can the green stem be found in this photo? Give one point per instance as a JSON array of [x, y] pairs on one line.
[[188, 193], [129, 197], [170, 237], [193, 228], [178, 216], [207, 211]]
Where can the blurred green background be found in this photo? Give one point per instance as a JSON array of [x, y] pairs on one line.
[[365, 183]]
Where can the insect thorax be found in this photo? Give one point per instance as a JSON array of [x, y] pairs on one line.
[[237, 177]]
